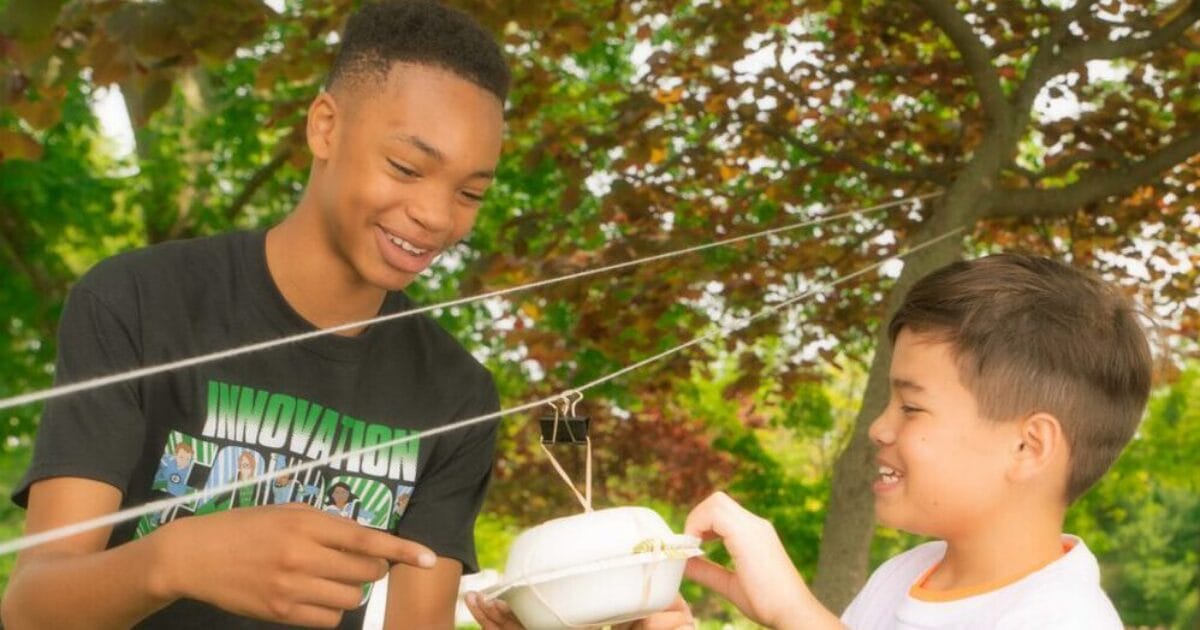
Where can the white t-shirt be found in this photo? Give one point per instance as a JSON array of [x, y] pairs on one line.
[[1064, 595]]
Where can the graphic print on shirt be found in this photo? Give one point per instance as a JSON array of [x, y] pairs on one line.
[[234, 463], [249, 432], [363, 500], [403, 495], [182, 470], [288, 488]]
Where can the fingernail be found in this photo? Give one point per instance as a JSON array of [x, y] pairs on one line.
[[426, 560]]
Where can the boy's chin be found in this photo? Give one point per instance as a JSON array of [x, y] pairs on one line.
[[389, 279], [909, 523]]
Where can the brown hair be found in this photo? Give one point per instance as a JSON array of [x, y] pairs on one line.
[[1035, 335]]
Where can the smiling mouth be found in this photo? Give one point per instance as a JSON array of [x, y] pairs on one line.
[[405, 245], [889, 475]]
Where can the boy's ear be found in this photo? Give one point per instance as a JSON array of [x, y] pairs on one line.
[[1041, 443], [321, 125]]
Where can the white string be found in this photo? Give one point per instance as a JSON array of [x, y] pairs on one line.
[[585, 501], [127, 514], [102, 381]]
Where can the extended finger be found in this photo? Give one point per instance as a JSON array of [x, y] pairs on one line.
[[345, 566], [349, 536]]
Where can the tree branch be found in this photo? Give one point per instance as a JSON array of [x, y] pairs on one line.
[[46, 284], [975, 55], [262, 176], [928, 174], [1004, 48], [18, 263], [1064, 165], [1043, 66], [48, 288], [1095, 186], [1131, 46]]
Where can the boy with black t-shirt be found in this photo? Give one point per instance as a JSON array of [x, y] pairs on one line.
[[405, 141]]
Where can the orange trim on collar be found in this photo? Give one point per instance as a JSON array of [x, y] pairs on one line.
[[922, 593]]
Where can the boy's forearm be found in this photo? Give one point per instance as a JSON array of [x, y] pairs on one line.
[[810, 614], [115, 588]]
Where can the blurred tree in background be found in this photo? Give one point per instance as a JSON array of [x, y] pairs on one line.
[[1066, 128]]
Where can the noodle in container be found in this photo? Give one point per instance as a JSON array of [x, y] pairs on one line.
[[594, 569]]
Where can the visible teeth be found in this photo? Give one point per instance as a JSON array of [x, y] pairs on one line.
[[888, 473], [406, 246]]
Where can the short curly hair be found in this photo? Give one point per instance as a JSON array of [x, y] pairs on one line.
[[422, 32]]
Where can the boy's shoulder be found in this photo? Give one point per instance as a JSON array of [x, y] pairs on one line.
[[886, 589], [1064, 594], [176, 261]]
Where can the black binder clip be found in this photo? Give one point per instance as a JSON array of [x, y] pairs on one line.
[[565, 427]]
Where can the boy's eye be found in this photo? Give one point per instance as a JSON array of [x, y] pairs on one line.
[[909, 409], [404, 170], [473, 197]]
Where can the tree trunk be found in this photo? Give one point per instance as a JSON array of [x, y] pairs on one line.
[[843, 560], [846, 539]]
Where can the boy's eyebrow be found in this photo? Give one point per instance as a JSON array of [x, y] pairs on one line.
[[435, 153], [422, 146], [903, 383]]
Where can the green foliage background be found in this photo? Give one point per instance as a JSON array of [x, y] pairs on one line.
[[707, 421]]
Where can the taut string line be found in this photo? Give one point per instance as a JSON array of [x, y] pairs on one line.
[[102, 381], [128, 514]]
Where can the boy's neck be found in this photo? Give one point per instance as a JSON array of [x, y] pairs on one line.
[[1006, 548], [317, 283]]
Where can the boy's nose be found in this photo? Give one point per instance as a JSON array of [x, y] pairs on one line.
[[881, 431], [432, 216]]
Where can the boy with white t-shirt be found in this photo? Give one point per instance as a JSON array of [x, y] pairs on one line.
[[1015, 383]]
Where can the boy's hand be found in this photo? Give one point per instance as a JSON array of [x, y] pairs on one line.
[[491, 614], [292, 564], [677, 616], [496, 615], [765, 585]]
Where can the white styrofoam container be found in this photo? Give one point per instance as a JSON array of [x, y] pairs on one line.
[[594, 569]]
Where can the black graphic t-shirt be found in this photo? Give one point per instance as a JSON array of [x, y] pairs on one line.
[[182, 432]]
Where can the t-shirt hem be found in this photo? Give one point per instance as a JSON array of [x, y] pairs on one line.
[[469, 564]]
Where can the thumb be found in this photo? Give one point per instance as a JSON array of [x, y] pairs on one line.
[[713, 577]]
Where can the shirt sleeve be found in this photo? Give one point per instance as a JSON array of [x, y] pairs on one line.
[[95, 434], [448, 497]]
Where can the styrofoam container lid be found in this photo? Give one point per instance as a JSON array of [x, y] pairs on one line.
[[586, 538], [594, 569]]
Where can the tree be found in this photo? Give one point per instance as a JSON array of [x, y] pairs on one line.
[[858, 100], [636, 128]]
